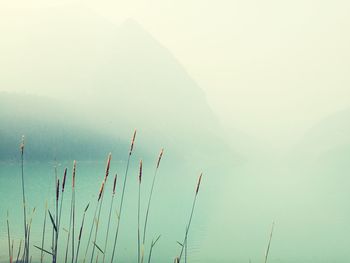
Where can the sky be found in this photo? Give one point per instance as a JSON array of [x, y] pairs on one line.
[[271, 69]]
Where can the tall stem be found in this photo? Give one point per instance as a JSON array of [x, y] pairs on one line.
[[43, 236], [97, 222], [92, 227], [268, 246], [188, 227], [122, 198], [109, 219], [150, 197], [26, 257], [120, 208], [138, 225]]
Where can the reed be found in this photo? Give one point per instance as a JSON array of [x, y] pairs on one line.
[[24, 203], [191, 215], [109, 217], [80, 233], [151, 248], [269, 244], [96, 220], [91, 229], [29, 227], [73, 209], [138, 214], [19, 250], [100, 197], [122, 196], [57, 222], [43, 235], [62, 194], [71, 214], [150, 198], [9, 237]]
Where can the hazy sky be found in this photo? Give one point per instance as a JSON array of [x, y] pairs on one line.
[[269, 68]]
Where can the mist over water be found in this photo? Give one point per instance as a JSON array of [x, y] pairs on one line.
[[254, 96]]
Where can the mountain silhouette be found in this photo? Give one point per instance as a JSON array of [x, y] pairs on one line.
[[116, 78]]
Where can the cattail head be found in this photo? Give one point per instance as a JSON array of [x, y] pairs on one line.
[[57, 189], [114, 183], [132, 142], [140, 171], [160, 157], [101, 190], [199, 183], [22, 145], [86, 208], [73, 177], [64, 179], [108, 165]]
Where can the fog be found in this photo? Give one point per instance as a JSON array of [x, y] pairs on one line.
[[254, 93]]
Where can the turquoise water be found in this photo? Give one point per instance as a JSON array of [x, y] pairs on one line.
[[232, 219], [170, 208]]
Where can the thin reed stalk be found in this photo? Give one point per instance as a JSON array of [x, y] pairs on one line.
[[138, 214], [109, 218], [62, 194], [190, 220], [122, 196], [91, 229], [151, 248], [80, 233], [150, 198], [101, 195], [73, 210], [43, 235], [19, 250], [57, 222], [269, 244], [26, 257], [9, 237], [30, 227]]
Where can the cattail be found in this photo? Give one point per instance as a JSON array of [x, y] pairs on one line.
[[101, 190], [108, 165], [57, 189], [74, 169], [132, 142], [109, 218], [160, 157], [99, 203], [64, 179], [114, 183], [80, 232], [63, 185], [122, 196], [26, 245], [22, 145], [199, 183], [140, 171], [150, 197], [190, 220]]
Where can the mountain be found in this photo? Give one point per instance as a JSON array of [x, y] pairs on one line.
[[116, 78]]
